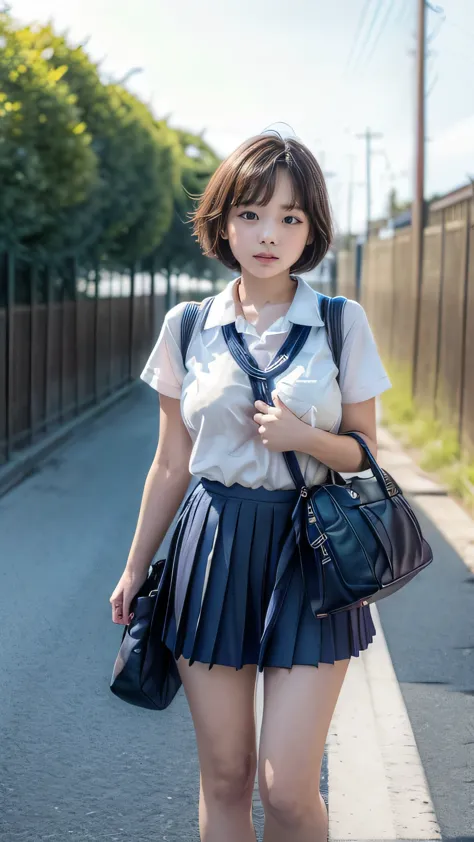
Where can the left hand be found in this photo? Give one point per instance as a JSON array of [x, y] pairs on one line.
[[280, 429]]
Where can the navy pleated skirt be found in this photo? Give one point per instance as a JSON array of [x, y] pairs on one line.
[[224, 553]]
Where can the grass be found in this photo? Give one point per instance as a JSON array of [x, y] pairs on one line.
[[436, 446]]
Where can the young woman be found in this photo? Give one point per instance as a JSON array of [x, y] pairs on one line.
[[266, 214]]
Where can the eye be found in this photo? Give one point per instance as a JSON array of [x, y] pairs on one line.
[[295, 218]]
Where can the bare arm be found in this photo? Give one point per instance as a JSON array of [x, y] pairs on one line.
[[280, 430], [165, 487], [342, 453]]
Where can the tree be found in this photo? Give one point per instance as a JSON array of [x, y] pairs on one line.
[[179, 251], [129, 208], [47, 163], [395, 206]]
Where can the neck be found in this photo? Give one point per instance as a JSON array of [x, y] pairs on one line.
[[260, 291]]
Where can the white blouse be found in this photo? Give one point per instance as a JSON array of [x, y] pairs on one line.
[[217, 404]]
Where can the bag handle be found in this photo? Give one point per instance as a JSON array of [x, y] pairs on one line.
[[375, 467]]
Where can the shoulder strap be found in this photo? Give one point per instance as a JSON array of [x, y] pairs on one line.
[[191, 314], [332, 310]]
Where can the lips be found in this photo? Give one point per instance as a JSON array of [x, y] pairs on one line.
[[265, 256]]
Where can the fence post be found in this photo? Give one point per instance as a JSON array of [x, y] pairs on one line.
[[151, 320], [33, 355], [10, 311], [440, 314], [110, 345], [60, 275], [76, 333], [131, 319], [96, 333], [464, 320], [47, 350]]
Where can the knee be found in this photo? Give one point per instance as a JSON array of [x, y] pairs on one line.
[[230, 780], [290, 807], [287, 808]]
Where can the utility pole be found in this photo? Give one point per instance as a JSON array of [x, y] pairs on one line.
[[368, 136], [418, 211], [350, 198]]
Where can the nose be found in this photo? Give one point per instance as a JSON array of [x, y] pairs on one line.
[[267, 232]]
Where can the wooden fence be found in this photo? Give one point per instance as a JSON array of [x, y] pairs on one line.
[[68, 339], [429, 334]]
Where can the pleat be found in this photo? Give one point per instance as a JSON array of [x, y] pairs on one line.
[[296, 637], [189, 546], [180, 553], [363, 642], [277, 586], [216, 581], [201, 574], [296, 603], [230, 630], [341, 633], [174, 551], [354, 630], [258, 578]]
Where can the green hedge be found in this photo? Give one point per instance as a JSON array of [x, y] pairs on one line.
[[436, 447], [86, 168]]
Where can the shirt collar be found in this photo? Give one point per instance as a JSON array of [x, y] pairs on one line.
[[303, 310]]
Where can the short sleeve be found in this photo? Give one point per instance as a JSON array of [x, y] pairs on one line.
[[164, 369], [362, 374]]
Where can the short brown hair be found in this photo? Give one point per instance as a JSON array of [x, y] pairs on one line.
[[248, 175]]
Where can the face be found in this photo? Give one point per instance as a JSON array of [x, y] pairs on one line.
[[271, 229]]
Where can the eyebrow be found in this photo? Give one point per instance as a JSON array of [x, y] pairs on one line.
[[283, 207]]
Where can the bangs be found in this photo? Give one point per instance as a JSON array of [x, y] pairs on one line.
[[255, 185]]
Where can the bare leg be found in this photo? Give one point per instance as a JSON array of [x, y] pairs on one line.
[[298, 708], [221, 701]]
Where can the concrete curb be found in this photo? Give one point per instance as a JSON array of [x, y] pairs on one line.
[[26, 461]]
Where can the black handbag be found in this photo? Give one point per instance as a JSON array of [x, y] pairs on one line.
[[145, 671], [359, 539]]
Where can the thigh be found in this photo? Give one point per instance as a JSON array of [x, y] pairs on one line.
[[298, 708], [222, 705]]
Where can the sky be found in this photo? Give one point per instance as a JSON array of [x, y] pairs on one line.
[[327, 70]]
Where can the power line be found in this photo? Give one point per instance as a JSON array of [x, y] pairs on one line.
[[376, 15], [388, 12], [362, 20]]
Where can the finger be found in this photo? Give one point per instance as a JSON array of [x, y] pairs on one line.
[[281, 405], [278, 401], [262, 406], [259, 418], [120, 611]]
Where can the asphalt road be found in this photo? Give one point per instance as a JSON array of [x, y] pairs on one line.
[[76, 762]]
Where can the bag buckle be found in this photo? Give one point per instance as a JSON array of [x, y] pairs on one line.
[[318, 543]]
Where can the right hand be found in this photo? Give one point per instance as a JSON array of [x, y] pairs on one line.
[[127, 587]]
